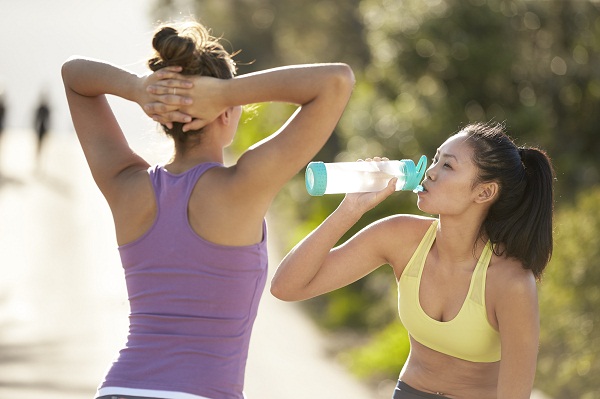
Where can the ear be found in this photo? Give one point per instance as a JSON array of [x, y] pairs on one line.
[[486, 192], [225, 117]]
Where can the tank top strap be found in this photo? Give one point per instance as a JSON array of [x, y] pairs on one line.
[[416, 262], [192, 175], [479, 275], [173, 191]]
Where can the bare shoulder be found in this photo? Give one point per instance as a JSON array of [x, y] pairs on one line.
[[132, 202], [229, 191], [131, 184], [508, 275], [400, 228], [401, 235], [511, 289], [405, 223]]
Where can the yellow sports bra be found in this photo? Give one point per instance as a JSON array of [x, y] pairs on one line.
[[469, 336]]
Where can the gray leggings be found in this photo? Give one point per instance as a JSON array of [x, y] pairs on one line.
[[405, 391]]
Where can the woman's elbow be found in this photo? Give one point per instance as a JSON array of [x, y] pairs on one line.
[[68, 69], [65, 70], [345, 79], [279, 292]]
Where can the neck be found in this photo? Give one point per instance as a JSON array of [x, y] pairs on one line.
[[186, 158], [459, 240]]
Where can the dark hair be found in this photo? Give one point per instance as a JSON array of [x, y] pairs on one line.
[[519, 222], [190, 46]]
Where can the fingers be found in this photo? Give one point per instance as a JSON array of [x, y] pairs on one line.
[[168, 81], [169, 94], [167, 103], [195, 124], [169, 118], [170, 78], [164, 113], [379, 196], [171, 91], [173, 68], [387, 190], [172, 72], [391, 187], [374, 159], [159, 108], [167, 97]]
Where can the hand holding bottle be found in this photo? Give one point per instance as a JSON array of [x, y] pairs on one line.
[[364, 202]]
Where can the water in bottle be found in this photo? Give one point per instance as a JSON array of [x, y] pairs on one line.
[[363, 176]]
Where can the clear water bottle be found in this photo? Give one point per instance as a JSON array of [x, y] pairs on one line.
[[363, 176]]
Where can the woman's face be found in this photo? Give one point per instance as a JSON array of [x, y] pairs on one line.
[[448, 186]]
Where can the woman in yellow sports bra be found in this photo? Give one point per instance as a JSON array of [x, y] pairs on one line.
[[466, 279]]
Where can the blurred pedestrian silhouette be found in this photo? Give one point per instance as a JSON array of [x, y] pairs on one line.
[[41, 125], [2, 110], [2, 118]]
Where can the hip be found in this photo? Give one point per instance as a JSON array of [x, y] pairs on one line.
[[405, 391]]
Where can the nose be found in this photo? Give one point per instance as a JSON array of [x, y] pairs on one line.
[[430, 173]]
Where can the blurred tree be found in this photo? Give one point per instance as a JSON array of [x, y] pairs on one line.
[[568, 365], [439, 64], [271, 33], [562, 65]]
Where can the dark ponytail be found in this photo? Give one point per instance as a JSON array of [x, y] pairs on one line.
[[519, 223], [190, 46]]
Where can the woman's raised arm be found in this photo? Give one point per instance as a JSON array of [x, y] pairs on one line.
[[314, 266], [320, 90], [87, 82]]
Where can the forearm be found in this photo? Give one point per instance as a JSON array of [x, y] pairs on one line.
[[91, 78], [298, 84], [313, 267], [302, 264]]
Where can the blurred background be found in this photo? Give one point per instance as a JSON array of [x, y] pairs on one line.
[[424, 69]]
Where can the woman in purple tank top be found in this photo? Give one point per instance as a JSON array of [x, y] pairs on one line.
[[191, 232]]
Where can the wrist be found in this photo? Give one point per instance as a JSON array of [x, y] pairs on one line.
[[134, 88], [347, 213], [226, 92]]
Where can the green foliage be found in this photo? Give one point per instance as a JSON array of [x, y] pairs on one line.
[[353, 307], [383, 356], [257, 122], [437, 65], [568, 365]]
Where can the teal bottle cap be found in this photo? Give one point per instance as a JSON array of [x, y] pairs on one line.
[[414, 174], [315, 178]]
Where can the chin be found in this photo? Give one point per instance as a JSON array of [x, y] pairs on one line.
[[424, 208]]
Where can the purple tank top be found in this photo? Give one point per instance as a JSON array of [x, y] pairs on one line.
[[193, 302]]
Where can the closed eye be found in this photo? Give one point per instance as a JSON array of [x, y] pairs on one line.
[[446, 165]]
